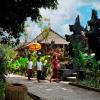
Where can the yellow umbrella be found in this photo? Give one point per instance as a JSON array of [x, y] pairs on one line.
[[34, 47]]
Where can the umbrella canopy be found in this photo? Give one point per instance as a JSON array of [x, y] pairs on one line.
[[34, 47]]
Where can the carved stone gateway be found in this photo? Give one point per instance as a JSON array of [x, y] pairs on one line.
[[92, 34]]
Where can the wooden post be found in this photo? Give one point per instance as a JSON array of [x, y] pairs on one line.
[[63, 49]]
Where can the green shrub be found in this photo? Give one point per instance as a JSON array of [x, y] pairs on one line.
[[6, 54], [2, 72], [2, 89]]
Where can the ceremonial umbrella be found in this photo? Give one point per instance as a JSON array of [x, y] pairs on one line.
[[34, 47]]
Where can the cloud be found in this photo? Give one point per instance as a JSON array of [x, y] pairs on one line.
[[94, 3], [66, 12], [32, 31], [65, 29]]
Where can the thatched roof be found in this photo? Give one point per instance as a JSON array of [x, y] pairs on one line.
[[50, 36]]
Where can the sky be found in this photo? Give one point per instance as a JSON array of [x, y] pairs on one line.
[[64, 15]]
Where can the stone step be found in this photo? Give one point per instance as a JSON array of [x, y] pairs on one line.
[[74, 74], [71, 79], [64, 72]]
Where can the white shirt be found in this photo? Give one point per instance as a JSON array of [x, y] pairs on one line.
[[30, 64], [39, 65]]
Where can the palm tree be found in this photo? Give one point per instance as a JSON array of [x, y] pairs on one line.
[[45, 30]]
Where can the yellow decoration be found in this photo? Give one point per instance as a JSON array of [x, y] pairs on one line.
[[34, 47]]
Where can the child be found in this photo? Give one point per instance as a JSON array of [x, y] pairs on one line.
[[29, 71], [39, 69]]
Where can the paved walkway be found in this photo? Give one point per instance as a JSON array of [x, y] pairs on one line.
[[54, 91]]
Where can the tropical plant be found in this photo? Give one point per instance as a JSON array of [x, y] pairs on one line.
[[14, 66], [7, 53], [46, 60], [2, 73], [45, 29], [18, 66], [10, 54], [22, 62]]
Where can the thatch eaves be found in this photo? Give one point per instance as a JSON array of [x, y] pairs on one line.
[[47, 38]]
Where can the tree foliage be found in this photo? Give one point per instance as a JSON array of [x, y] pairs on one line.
[[13, 13]]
